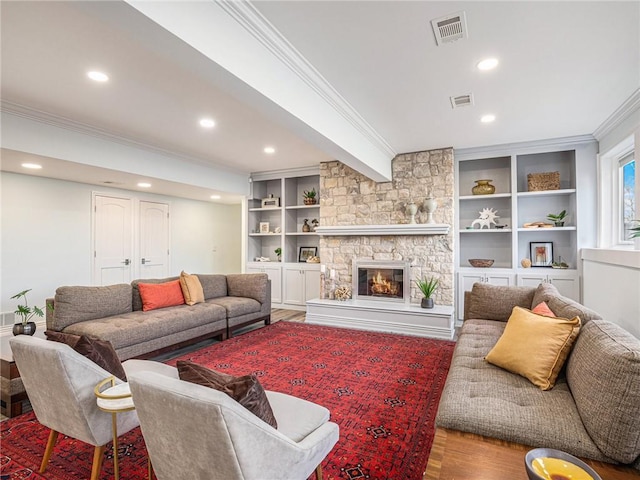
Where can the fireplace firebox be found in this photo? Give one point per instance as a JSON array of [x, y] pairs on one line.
[[381, 280]]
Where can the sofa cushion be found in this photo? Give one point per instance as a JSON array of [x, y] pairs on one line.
[[160, 295], [567, 308], [245, 390], [191, 289], [213, 285], [494, 302], [535, 346], [237, 306], [136, 301], [78, 304], [481, 398], [248, 285], [603, 373]]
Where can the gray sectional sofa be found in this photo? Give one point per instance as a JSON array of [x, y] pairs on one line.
[[114, 313], [592, 412]]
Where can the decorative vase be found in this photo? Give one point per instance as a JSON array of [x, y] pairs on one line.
[[427, 303], [430, 206], [411, 210], [28, 328], [309, 201], [483, 187], [306, 228]]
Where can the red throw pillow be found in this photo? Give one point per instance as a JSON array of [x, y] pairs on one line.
[[543, 309], [160, 295]]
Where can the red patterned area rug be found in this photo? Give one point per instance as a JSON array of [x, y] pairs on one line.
[[382, 390]]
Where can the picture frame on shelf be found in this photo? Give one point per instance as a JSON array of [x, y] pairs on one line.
[[264, 227], [541, 254], [305, 252]]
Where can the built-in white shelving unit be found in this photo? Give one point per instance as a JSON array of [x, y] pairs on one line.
[[508, 167], [292, 282]]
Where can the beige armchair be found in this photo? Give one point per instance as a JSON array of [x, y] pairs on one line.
[[60, 384], [199, 433]]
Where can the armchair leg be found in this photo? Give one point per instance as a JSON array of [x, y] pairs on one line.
[[53, 436], [319, 472], [98, 454]]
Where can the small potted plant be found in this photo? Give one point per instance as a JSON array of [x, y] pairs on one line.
[[427, 286], [26, 313], [278, 253], [558, 220], [309, 197]]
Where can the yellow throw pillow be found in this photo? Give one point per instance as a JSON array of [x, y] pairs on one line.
[[191, 289], [535, 346]]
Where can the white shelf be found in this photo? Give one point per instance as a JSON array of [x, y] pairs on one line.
[[548, 193], [302, 207], [264, 234], [548, 229], [484, 230], [484, 197], [261, 209], [302, 233]]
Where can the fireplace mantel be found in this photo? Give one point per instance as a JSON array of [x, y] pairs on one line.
[[383, 230]]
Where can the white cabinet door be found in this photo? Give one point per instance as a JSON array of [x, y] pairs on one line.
[[294, 288], [567, 282], [311, 284], [274, 272]]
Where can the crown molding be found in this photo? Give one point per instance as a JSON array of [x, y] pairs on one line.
[[624, 111], [265, 32], [58, 121]]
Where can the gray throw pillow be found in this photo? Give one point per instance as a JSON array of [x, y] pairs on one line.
[[245, 390]]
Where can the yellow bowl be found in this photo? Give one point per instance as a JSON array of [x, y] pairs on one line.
[[550, 464]]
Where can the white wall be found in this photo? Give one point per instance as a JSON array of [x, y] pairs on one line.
[[45, 235]]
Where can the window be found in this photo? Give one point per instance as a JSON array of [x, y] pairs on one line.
[[627, 195]]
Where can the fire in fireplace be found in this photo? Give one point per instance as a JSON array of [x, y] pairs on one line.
[[377, 280]]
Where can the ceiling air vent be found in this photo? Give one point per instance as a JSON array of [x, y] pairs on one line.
[[450, 28], [461, 100]]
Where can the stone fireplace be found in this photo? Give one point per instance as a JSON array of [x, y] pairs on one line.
[[381, 280], [348, 198]]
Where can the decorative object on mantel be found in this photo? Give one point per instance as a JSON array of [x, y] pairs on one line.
[[314, 224], [481, 262], [429, 205], [271, 201], [525, 262], [278, 252], [26, 313], [483, 187], [487, 217], [309, 197], [411, 209], [427, 286], [537, 182], [342, 293], [306, 228], [557, 219]]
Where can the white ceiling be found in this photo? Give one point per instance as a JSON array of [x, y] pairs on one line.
[[564, 68]]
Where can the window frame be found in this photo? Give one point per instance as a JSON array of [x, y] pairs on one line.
[[623, 159]]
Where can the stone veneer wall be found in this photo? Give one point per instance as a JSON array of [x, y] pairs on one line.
[[349, 198]]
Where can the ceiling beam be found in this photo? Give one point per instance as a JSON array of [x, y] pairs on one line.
[[264, 69]]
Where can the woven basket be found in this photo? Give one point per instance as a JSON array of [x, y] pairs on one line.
[[543, 181]]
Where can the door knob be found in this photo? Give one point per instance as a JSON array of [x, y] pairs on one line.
[[144, 260], [126, 261]]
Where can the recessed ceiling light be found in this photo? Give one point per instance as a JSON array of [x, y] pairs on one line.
[[269, 150], [98, 76], [144, 185], [207, 123], [488, 64], [487, 118], [215, 197], [32, 166]]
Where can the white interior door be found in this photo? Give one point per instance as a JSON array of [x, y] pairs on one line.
[[154, 239], [113, 241]]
